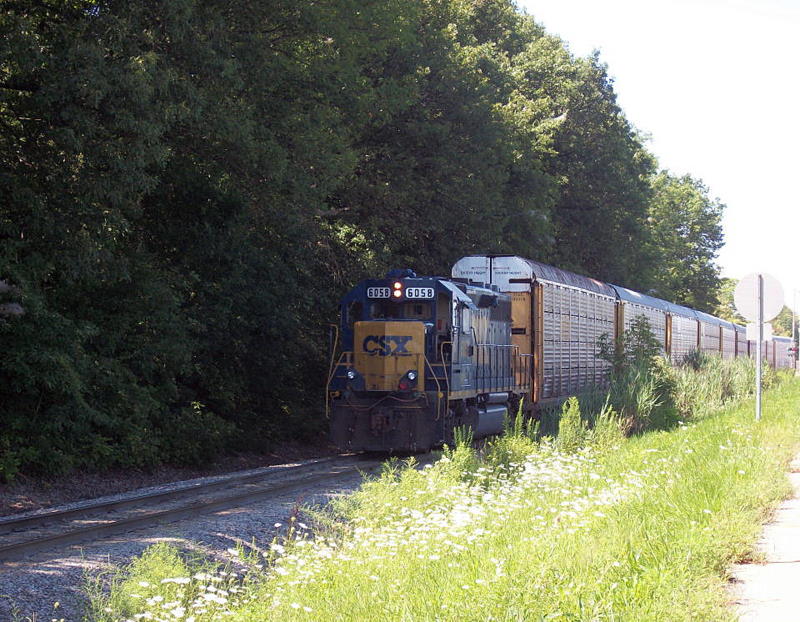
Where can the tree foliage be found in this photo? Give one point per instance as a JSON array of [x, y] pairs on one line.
[[188, 187], [726, 309], [686, 229], [601, 216], [782, 324]]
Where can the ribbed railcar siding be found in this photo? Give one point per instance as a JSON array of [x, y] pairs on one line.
[[728, 342], [684, 337], [709, 338], [766, 351], [655, 317], [573, 321], [741, 342], [782, 357]]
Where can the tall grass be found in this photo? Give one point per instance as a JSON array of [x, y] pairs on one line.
[[629, 529], [705, 383], [651, 394]]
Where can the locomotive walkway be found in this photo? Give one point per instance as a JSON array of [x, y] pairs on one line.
[[770, 591]]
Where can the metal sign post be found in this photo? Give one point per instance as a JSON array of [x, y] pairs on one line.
[[760, 344], [759, 298]]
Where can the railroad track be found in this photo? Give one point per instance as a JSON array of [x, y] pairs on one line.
[[24, 536]]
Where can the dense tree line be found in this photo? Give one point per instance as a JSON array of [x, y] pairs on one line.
[[187, 188]]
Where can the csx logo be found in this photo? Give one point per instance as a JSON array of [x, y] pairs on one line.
[[387, 345]]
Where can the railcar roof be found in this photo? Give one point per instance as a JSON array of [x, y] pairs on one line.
[[564, 277], [710, 319], [629, 295], [679, 310], [781, 338]]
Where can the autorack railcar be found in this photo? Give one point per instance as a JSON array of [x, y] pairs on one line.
[[741, 341], [710, 333], [781, 354], [557, 315]]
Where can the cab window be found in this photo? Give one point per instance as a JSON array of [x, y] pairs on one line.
[[383, 310], [410, 310], [417, 310]]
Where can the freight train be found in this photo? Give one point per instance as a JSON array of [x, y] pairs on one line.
[[422, 356]]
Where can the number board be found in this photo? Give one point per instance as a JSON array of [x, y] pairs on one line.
[[419, 292], [379, 292]]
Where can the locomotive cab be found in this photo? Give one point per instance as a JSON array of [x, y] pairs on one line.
[[421, 356]]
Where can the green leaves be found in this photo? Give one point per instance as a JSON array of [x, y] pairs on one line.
[[686, 226], [188, 187]]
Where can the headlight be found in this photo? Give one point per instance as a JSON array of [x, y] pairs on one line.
[[351, 374], [412, 375]]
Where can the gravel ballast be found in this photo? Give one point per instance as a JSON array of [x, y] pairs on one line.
[[51, 586]]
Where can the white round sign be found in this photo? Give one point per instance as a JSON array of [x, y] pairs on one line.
[[745, 297]]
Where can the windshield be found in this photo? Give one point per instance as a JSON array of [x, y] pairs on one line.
[[390, 310]]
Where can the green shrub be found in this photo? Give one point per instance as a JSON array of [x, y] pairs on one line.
[[572, 430], [704, 383], [607, 430], [517, 442], [633, 392], [636, 347]]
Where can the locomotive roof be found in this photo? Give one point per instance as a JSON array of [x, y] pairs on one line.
[[629, 295], [458, 294]]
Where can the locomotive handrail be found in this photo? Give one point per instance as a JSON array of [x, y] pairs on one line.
[[501, 368], [517, 362], [438, 387], [331, 369], [444, 365], [334, 367]]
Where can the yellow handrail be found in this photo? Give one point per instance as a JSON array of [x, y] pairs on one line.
[[438, 387], [331, 370], [444, 365], [344, 355]]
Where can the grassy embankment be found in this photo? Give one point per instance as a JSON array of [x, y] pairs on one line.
[[621, 529]]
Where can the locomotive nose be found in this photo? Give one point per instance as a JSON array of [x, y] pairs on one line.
[[387, 353]]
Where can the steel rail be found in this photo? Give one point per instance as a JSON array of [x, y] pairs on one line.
[[72, 535], [89, 508]]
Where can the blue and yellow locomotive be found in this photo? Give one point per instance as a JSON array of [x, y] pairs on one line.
[[422, 356]]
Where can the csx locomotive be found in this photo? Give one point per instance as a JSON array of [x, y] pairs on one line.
[[422, 356]]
